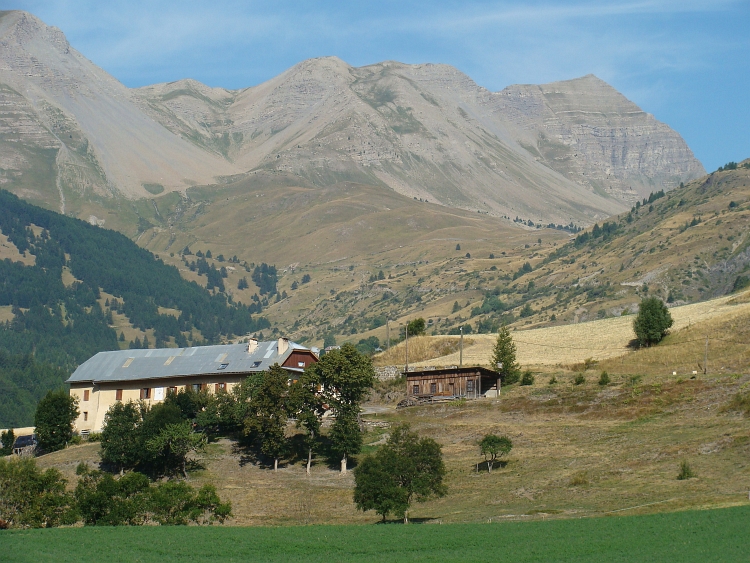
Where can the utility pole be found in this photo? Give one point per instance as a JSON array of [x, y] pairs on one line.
[[461, 348], [705, 359], [407, 348], [387, 334]]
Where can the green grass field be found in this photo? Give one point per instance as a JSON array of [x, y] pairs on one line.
[[701, 536]]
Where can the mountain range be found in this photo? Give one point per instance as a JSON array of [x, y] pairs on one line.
[[74, 138]]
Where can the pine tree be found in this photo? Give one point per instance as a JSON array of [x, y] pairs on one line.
[[504, 357]]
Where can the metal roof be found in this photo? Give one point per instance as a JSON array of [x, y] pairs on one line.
[[160, 363], [455, 370]]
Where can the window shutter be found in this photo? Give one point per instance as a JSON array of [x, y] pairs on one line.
[[86, 395], [118, 395]]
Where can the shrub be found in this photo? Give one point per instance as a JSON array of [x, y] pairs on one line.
[[579, 479], [685, 471], [552, 380], [653, 321], [527, 378], [739, 403], [580, 379], [604, 379]]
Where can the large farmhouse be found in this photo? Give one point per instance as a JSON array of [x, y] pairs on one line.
[[148, 375]]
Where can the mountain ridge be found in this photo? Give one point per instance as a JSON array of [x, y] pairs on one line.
[[425, 131]]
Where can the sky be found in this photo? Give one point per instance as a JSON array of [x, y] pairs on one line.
[[687, 62]]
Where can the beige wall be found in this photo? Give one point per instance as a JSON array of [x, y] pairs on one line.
[[102, 397]]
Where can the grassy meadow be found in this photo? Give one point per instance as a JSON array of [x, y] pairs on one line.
[[700, 536]]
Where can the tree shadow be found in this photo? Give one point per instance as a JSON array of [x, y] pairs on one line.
[[484, 465], [392, 521]]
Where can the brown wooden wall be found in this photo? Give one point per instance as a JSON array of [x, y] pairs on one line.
[[297, 357]]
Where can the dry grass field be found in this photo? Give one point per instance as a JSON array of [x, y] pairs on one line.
[[567, 345], [579, 450]]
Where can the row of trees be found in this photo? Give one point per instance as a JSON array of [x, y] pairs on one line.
[[33, 498], [159, 440]]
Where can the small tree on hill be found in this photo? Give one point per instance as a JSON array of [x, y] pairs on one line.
[[346, 377], [416, 327], [493, 447], [174, 443], [121, 424], [54, 418], [406, 468], [306, 404], [267, 414], [8, 439], [504, 357], [653, 321]]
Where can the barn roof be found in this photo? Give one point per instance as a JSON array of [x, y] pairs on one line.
[[455, 370], [160, 363]]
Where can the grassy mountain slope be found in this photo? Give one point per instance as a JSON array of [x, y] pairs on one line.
[[692, 244]]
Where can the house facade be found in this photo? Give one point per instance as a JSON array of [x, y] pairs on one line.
[[149, 375], [469, 382]]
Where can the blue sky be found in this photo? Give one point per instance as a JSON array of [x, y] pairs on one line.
[[685, 61]]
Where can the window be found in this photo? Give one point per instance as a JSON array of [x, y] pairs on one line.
[[300, 364], [470, 386], [415, 390], [221, 387], [433, 388], [118, 395], [222, 366], [196, 387], [86, 395], [85, 416], [257, 363], [145, 393], [171, 390]]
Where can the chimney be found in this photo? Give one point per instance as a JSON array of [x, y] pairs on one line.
[[252, 345], [283, 345]]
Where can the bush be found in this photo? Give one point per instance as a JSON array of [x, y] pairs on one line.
[[32, 498], [54, 418], [579, 479], [685, 471], [653, 321], [604, 379], [580, 379], [527, 378], [552, 380]]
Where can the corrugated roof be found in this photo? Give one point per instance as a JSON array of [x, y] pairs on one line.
[[129, 365]]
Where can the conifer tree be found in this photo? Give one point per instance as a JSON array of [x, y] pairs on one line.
[[504, 357]]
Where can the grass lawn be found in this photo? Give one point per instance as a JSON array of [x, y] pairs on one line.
[[701, 536]]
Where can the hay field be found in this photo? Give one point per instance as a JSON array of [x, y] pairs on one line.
[[571, 344]]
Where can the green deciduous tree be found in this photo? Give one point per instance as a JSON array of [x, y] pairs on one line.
[[105, 501], [32, 498], [652, 323], [174, 443], [306, 404], [346, 377], [119, 445], [493, 447], [416, 327], [54, 418], [504, 357], [405, 469], [267, 414], [133, 500]]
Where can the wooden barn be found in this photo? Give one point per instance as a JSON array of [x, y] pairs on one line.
[[469, 382]]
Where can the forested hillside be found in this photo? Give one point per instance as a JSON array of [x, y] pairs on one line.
[[62, 325]]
